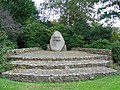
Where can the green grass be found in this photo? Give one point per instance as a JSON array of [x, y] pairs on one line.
[[104, 83]]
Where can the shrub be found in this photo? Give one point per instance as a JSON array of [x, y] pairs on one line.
[[81, 27], [76, 41], [115, 35], [100, 44], [99, 32], [116, 52], [35, 34], [5, 44]]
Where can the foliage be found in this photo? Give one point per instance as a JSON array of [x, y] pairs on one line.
[[72, 38], [20, 9], [5, 45], [116, 52], [99, 32], [100, 44], [115, 35], [109, 10], [81, 27], [9, 25], [35, 34], [76, 41], [69, 10], [92, 33]]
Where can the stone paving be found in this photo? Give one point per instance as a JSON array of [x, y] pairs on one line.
[[63, 55], [58, 75], [49, 66], [59, 64], [52, 54]]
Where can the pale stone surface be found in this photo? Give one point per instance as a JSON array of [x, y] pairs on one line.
[[50, 66], [57, 75], [57, 41]]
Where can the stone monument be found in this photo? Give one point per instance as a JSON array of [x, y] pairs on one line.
[[57, 42]]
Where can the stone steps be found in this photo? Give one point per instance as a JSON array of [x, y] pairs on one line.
[[27, 58], [59, 64], [49, 66], [57, 75], [56, 56]]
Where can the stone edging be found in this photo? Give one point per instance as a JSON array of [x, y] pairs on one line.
[[36, 75], [94, 51], [23, 50]]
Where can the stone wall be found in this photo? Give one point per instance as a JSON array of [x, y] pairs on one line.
[[95, 51], [23, 50]]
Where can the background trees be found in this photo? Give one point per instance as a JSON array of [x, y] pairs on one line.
[[69, 10], [9, 25], [21, 10], [35, 34], [20, 22], [109, 10], [5, 45], [74, 22]]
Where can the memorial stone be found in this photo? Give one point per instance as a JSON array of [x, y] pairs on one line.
[[57, 42]]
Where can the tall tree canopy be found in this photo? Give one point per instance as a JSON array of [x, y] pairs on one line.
[[20, 9], [9, 25], [69, 10], [110, 9]]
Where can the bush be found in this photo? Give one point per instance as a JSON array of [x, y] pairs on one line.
[[5, 45], [81, 27], [35, 34], [76, 41], [116, 52], [100, 44], [21, 10], [115, 35], [99, 32]]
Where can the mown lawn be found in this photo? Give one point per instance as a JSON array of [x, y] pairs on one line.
[[104, 83]]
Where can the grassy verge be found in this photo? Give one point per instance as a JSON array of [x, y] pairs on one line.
[[105, 83]]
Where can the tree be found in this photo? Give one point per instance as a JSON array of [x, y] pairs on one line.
[[100, 44], [110, 10], [99, 32], [115, 35], [20, 9], [5, 45], [35, 34], [81, 27], [10, 26], [69, 10]]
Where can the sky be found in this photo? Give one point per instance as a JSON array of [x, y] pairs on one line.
[[37, 2]]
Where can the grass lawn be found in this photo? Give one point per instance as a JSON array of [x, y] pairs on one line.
[[104, 83]]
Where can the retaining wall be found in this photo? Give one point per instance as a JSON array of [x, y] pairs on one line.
[[95, 51], [23, 50]]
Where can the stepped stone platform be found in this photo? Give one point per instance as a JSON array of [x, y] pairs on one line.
[[55, 56], [59, 64], [50, 66], [58, 75]]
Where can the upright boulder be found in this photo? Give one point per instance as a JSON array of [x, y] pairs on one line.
[[57, 42]]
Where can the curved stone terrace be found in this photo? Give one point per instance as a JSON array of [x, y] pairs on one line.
[[57, 55]]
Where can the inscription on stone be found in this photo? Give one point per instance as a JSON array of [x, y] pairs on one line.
[[57, 41]]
